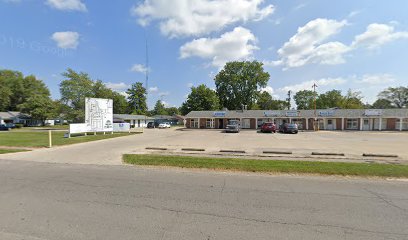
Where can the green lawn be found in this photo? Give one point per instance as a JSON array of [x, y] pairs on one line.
[[2, 151], [40, 138], [281, 166]]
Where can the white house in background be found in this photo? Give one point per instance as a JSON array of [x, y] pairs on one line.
[[134, 120], [14, 117]]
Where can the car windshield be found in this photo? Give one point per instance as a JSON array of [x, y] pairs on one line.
[[292, 126]]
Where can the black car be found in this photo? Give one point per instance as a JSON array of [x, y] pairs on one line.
[[288, 128], [150, 125], [4, 128]]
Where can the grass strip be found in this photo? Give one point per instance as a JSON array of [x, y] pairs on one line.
[[281, 166], [3, 151], [40, 138]]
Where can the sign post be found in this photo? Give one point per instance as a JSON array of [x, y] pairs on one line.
[[49, 138]]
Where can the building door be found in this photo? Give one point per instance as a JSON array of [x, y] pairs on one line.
[[366, 124], [220, 123], [138, 123], [246, 123], [331, 124]]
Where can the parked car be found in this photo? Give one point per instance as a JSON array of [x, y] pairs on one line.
[[151, 125], [289, 128], [164, 125], [10, 125], [4, 128], [268, 127], [233, 126]]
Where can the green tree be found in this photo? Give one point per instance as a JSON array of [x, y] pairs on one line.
[[352, 100], [137, 99], [330, 99], [17, 89], [382, 104], [305, 99], [237, 84], [201, 98], [172, 111], [159, 108], [74, 89], [398, 96], [40, 107], [266, 102]]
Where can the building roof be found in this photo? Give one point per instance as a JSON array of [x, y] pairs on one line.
[[347, 113], [164, 117], [131, 117], [11, 115]]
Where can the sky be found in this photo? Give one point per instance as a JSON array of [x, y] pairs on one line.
[[358, 45]]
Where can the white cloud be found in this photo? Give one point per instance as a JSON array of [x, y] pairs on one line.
[[117, 86], [153, 89], [307, 85], [182, 18], [307, 45], [377, 79], [189, 85], [300, 6], [235, 45], [139, 68], [377, 35], [268, 89], [67, 5], [66, 39], [163, 94]]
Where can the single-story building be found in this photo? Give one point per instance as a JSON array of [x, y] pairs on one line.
[[134, 120], [323, 119], [18, 118], [173, 120]]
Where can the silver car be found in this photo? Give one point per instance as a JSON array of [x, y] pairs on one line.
[[233, 126]]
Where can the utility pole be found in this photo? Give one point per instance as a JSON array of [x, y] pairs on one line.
[[289, 98], [315, 114], [147, 79]]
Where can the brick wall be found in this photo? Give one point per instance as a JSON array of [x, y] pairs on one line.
[[202, 122], [188, 122], [253, 123], [338, 123]]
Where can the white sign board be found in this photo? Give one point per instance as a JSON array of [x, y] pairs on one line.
[[77, 128], [326, 113], [99, 114], [373, 112], [272, 113], [121, 127], [292, 113]]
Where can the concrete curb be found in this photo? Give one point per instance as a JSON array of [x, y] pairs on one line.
[[156, 148], [379, 155], [232, 151], [193, 149], [327, 154], [277, 152]]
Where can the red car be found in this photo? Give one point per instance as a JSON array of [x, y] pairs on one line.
[[268, 127]]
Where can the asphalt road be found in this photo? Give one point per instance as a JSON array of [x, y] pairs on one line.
[[69, 201]]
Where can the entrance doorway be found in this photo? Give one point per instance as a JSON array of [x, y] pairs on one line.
[[138, 123], [246, 123], [331, 124], [221, 123]]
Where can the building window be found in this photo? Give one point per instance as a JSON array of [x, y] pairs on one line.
[[194, 123], [352, 123], [210, 123]]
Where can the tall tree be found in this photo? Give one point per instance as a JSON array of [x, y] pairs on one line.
[[74, 89], [39, 107], [159, 108], [382, 104], [17, 89], [305, 99], [398, 96], [330, 99], [266, 102], [137, 99], [201, 98], [237, 84], [172, 111], [352, 100]]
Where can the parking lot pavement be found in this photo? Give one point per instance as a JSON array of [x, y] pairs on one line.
[[352, 144]]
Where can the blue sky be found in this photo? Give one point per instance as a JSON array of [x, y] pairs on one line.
[[359, 45]]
